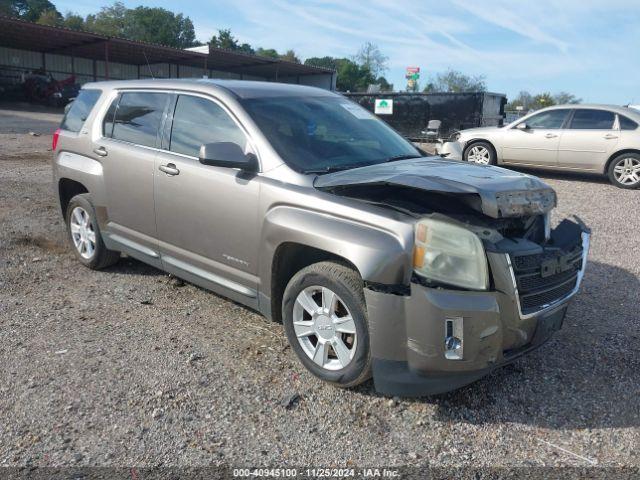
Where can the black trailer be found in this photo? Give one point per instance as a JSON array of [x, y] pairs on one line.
[[411, 112]]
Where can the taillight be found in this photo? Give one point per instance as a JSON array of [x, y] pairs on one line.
[[54, 142]]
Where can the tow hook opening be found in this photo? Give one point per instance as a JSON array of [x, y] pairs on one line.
[[453, 338]]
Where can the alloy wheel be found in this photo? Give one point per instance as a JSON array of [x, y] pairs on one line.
[[627, 171], [479, 154], [324, 327], [82, 232]]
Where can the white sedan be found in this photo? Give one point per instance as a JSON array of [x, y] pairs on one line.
[[601, 139]]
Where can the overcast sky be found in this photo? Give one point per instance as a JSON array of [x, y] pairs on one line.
[[586, 47]]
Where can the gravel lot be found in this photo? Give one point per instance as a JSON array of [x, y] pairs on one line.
[[129, 366]]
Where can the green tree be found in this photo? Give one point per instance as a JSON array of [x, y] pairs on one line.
[[290, 56], [561, 98], [543, 100], [372, 58], [51, 18], [323, 62], [109, 20], [73, 21], [524, 100], [146, 24], [225, 39], [158, 25], [528, 101], [13, 8], [352, 77], [267, 52], [455, 81], [385, 86], [30, 10]]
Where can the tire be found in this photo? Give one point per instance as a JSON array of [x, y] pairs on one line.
[[481, 153], [325, 278], [84, 234], [624, 171]]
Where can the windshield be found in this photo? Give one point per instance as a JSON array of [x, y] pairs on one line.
[[322, 134]]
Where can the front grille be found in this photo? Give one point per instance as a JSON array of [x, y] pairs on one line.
[[546, 277]]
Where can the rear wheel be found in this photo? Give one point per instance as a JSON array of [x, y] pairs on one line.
[[624, 171], [481, 153], [84, 234], [325, 319]]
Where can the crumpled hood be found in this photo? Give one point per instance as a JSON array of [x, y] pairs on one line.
[[503, 193]]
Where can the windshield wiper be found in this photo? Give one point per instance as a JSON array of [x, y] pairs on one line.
[[338, 168], [405, 156], [335, 168]]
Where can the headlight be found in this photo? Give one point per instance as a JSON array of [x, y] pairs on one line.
[[450, 254], [455, 137]]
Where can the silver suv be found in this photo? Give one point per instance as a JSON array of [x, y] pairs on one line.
[[424, 273]]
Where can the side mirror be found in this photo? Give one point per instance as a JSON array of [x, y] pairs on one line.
[[522, 126], [229, 155]]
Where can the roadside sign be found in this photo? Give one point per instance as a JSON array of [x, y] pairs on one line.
[[412, 73], [383, 106]]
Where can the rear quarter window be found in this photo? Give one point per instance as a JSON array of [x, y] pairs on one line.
[[627, 123], [138, 117], [80, 109]]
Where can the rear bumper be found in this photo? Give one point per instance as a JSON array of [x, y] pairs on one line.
[[407, 333]]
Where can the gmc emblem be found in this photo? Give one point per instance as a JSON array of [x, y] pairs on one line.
[[555, 266]]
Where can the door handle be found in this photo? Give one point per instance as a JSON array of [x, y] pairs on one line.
[[101, 151], [551, 135], [610, 136], [170, 169]]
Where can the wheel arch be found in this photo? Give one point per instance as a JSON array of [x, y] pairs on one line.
[[288, 259], [293, 238], [617, 154], [67, 189], [476, 140]]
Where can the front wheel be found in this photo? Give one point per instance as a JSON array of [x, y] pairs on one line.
[[481, 153], [624, 171], [325, 318]]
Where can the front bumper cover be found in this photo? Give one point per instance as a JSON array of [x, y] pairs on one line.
[[407, 333], [451, 150]]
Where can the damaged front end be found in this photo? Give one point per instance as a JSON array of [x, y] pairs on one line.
[[492, 191], [491, 280]]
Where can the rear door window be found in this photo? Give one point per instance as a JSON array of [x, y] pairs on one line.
[[198, 121], [80, 109], [138, 117], [587, 119], [552, 119]]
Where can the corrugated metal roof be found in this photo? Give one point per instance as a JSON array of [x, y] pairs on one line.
[[20, 34]]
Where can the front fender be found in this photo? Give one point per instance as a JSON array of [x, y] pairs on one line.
[[381, 256]]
